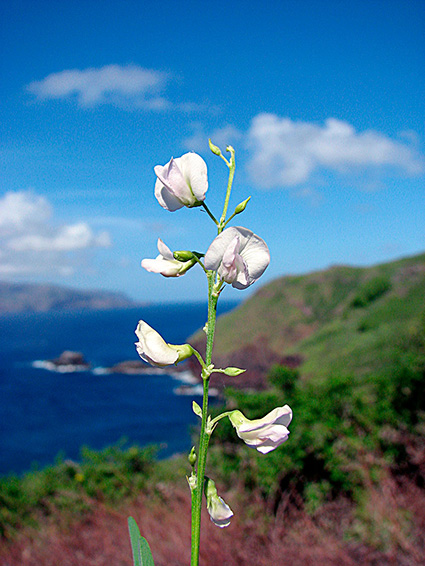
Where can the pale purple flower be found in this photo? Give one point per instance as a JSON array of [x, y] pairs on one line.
[[264, 434], [166, 264], [239, 256], [181, 182], [153, 349]]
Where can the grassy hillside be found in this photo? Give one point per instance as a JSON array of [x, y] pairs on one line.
[[341, 319]]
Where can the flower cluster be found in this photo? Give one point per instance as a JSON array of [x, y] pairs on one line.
[[236, 257]]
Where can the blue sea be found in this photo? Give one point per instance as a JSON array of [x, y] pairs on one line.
[[44, 413]]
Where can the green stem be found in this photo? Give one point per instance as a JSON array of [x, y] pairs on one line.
[[232, 166], [204, 438], [210, 214]]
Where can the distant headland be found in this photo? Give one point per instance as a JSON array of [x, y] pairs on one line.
[[33, 297]]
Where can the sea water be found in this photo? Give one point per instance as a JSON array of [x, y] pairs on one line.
[[44, 413]]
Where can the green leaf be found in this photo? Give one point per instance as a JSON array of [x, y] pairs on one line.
[[142, 555]]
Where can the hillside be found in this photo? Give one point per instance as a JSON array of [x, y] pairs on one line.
[[343, 319], [30, 297]]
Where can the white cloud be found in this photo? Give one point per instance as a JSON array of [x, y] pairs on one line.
[[110, 84], [126, 86], [67, 238], [285, 153], [20, 211], [32, 242]]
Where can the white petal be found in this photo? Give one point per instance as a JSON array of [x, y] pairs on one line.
[[166, 199], [218, 247], [256, 255], [220, 513], [162, 266], [194, 170], [172, 178], [152, 347], [281, 415], [164, 250]]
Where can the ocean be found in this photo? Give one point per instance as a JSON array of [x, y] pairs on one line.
[[45, 413]]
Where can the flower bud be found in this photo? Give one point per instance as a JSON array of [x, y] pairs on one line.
[[241, 206], [192, 457], [233, 372], [184, 255], [216, 150], [197, 409]]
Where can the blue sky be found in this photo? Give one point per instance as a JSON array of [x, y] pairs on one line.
[[323, 102]]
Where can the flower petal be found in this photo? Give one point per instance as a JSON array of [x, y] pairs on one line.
[[152, 348], [280, 415], [194, 170], [252, 256], [218, 248], [163, 266], [264, 434], [172, 178], [166, 199], [164, 250]]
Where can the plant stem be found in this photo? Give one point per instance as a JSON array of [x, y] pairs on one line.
[[204, 438], [210, 214], [232, 166]]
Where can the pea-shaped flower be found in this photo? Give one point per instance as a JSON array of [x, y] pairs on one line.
[[239, 256], [220, 513], [264, 434], [166, 264], [153, 349], [181, 182]]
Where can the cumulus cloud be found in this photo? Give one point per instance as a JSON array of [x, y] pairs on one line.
[[114, 84], [32, 242], [286, 153]]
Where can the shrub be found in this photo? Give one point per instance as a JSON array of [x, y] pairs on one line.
[[370, 291]]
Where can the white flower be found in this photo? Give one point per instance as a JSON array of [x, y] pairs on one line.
[[153, 349], [264, 434], [166, 264], [220, 512], [239, 256], [181, 182]]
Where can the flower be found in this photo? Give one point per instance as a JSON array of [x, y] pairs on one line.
[[165, 264], [264, 434], [220, 512], [153, 349], [239, 256], [181, 182]]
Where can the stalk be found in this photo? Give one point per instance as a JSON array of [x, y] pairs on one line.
[[204, 438]]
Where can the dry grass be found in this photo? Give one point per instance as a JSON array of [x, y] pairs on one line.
[[388, 530]]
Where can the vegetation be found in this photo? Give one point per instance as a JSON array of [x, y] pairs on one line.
[[341, 320], [348, 485]]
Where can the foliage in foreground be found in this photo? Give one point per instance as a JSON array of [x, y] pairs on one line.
[[348, 431], [109, 476]]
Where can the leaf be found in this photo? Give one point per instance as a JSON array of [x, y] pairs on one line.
[[142, 555], [197, 409]]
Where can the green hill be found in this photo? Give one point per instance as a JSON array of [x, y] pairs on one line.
[[354, 341], [343, 319]]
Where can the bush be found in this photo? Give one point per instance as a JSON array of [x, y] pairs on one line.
[[284, 378], [370, 291]]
